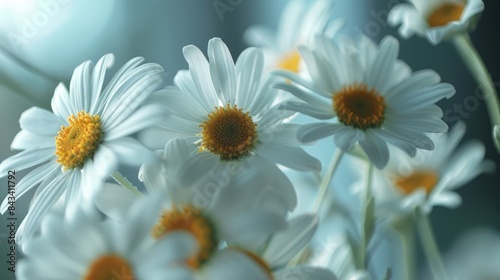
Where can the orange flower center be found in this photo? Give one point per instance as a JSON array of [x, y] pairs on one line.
[[110, 267], [418, 179], [78, 141], [445, 13], [190, 219], [290, 61], [358, 106], [229, 132]]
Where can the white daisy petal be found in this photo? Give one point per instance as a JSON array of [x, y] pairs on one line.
[[29, 181], [40, 206], [60, 102], [128, 95], [315, 131], [79, 88], [118, 78], [26, 159], [144, 117], [105, 161], [129, 151], [40, 121], [382, 67], [417, 80], [98, 79], [114, 201], [200, 72], [26, 140], [249, 68], [72, 199], [184, 81], [196, 166], [179, 103], [292, 157], [246, 227], [305, 95], [424, 97], [346, 137], [222, 70], [286, 244], [447, 199], [376, 149]]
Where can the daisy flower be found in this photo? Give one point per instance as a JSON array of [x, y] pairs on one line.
[[242, 212], [268, 260], [373, 98], [431, 177], [82, 141], [84, 247], [225, 111], [436, 20], [299, 22]]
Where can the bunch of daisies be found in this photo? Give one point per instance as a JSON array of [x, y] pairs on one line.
[[222, 160]]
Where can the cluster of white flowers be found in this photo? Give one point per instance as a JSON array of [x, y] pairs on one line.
[[215, 151]]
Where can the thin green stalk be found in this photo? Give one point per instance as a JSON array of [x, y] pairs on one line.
[[366, 231], [480, 73], [326, 180], [120, 179], [320, 198], [430, 245]]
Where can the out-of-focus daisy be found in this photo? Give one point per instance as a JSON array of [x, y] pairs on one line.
[[435, 20], [374, 98], [299, 22], [237, 213], [83, 247], [226, 111], [268, 260], [83, 140], [431, 177]]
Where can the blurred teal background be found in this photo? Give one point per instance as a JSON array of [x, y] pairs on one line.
[[54, 36]]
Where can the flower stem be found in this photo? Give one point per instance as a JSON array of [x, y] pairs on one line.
[[430, 246], [480, 73], [120, 179], [326, 180], [367, 225]]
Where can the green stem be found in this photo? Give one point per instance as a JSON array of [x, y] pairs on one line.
[[120, 179], [326, 180], [480, 73], [430, 245], [364, 232]]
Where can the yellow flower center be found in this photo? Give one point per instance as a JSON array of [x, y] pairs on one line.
[[290, 61], [418, 179], [110, 267], [229, 132], [445, 13], [357, 106], [78, 141], [192, 220]]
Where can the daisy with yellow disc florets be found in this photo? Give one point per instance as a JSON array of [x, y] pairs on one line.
[[75, 147], [372, 98], [225, 112]]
